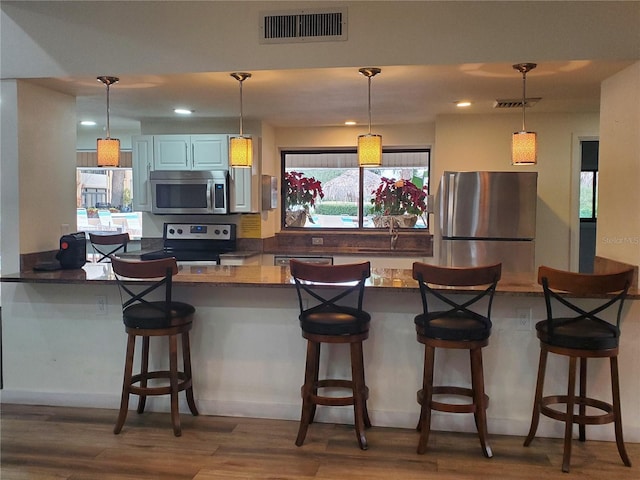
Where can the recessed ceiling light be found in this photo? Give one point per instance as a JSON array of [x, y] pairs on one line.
[[463, 104], [183, 111], [87, 123], [350, 122]]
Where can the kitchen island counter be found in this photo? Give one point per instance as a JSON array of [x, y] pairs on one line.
[[241, 276], [64, 344], [263, 276]]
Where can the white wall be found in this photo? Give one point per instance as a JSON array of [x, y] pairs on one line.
[[47, 160], [618, 235]]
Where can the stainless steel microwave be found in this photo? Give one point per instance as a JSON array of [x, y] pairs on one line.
[[189, 192]]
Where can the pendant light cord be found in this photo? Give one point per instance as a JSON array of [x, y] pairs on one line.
[[108, 126], [523, 68], [369, 81]]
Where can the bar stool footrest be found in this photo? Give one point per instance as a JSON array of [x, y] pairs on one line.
[[452, 407], [183, 383], [335, 401], [601, 419]]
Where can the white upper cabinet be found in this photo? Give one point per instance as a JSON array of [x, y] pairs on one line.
[[191, 152], [142, 163]]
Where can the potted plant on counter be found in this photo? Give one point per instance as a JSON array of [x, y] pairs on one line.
[[399, 202], [301, 194]]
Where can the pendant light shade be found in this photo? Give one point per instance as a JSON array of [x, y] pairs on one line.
[[108, 148], [241, 147], [369, 145], [524, 148]]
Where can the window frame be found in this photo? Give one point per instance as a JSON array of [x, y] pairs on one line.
[[352, 150]]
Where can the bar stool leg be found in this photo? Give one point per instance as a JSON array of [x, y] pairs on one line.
[[144, 370], [173, 382], [308, 389], [582, 409], [537, 402], [186, 362], [615, 390], [126, 384], [359, 394], [568, 427], [480, 413], [424, 424]]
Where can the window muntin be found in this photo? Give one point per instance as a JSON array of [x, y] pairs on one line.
[[347, 188]]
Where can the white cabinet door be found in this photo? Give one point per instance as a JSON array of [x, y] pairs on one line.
[[210, 152], [172, 152], [142, 163], [240, 183]]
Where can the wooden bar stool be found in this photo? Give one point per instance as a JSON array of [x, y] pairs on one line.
[[457, 327], [145, 318], [108, 244], [324, 320], [580, 334]]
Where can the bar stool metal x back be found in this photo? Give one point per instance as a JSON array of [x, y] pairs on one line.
[[106, 245], [580, 333], [145, 317], [334, 314], [457, 326]]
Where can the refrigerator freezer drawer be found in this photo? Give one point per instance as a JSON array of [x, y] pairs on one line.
[[517, 257]]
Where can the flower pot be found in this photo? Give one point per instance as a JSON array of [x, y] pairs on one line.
[[295, 218], [400, 221]]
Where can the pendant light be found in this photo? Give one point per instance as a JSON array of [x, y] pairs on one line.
[[524, 144], [108, 148], [241, 147], [369, 145]]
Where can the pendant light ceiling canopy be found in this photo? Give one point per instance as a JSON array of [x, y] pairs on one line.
[[108, 148], [524, 144], [369, 145], [241, 147]]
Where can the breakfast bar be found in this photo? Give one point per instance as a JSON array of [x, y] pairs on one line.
[[63, 344]]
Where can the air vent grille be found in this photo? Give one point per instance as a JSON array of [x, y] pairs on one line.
[[304, 26], [516, 102]]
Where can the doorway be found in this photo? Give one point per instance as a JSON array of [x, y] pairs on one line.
[[588, 204]]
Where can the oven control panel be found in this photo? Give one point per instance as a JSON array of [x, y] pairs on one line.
[[199, 231]]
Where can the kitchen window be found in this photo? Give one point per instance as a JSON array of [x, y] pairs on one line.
[[346, 190], [103, 201]]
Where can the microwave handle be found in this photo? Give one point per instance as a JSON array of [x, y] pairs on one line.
[[210, 194]]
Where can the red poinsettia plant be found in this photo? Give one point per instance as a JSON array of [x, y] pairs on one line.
[[301, 190], [397, 197]]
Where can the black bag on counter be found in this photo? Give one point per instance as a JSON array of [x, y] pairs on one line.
[[73, 250]]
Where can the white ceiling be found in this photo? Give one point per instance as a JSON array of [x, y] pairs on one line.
[[330, 96]]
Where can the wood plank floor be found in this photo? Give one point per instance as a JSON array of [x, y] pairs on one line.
[[78, 444]]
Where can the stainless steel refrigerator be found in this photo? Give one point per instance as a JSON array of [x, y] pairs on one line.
[[489, 217]]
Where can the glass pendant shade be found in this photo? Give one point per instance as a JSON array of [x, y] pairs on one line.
[[240, 151], [369, 150], [524, 148], [108, 152]]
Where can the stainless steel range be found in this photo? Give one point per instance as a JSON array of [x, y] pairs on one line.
[[195, 243]]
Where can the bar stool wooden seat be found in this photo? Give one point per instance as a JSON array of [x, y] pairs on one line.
[[580, 334], [333, 315], [456, 327], [106, 245], [145, 317]]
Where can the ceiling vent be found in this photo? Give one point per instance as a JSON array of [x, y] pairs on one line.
[[516, 102], [303, 26]]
